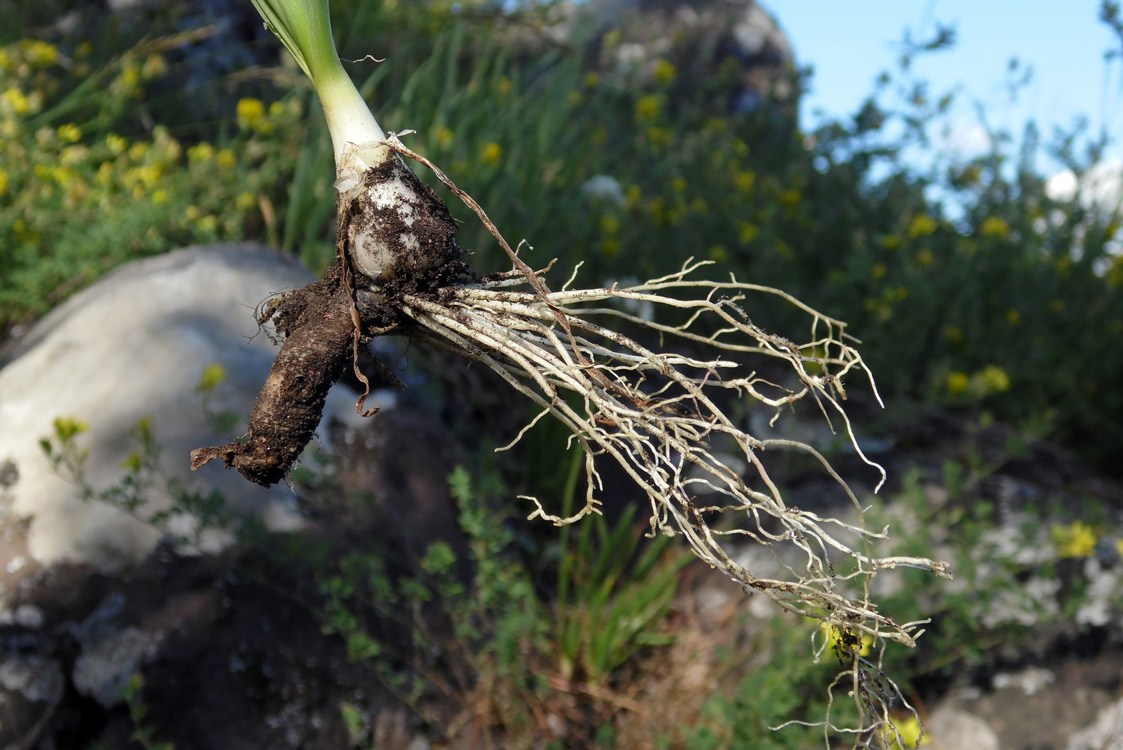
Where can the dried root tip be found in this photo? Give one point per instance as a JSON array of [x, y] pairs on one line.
[[318, 323], [396, 231]]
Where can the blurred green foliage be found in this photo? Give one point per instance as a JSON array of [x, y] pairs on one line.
[[969, 285]]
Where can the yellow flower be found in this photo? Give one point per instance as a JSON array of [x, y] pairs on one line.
[[678, 185], [1013, 317], [3, 182], [957, 383], [904, 734], [665, 71], [994, 379], [921, 225], [492, 153], [1077, 539], [924, 258], [200, 152], [609, 224], [591, 80], [245, 201], [995, 227], [609, 247], [503, 86], [127, 82], [133, 462], [38, 53], [633, 195], [790, 198], [15, 101], [225, 159], [67, 428], [154, 66], [69, 133], [72, 155], [116, 144], [648, 107], [843, 640], [248, 110], [659, 136], [879, 270], [443, 137], [213, 374], [747, 232], [251, 115], [744, 181], [718, 254]]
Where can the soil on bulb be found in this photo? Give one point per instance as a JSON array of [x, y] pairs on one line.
[[325, 323]]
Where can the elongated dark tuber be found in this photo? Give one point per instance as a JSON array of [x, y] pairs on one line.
[[317, 324]]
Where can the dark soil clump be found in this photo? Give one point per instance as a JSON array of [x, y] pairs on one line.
[[324, 323]]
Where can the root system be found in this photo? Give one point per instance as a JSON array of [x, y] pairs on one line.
[[660, 413]]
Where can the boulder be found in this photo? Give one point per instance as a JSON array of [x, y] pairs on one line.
[[729, 49], [133, 347], [1105, 733]]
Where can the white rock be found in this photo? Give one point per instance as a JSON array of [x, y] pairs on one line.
[[35, 677], [131, 346], [1106, 733], [103, 668], [952, 728], [1031, 680]]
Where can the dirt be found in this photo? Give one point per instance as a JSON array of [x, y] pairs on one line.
[[325, 324]]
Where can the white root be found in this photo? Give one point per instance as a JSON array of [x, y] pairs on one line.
[[658, 414], [664, 417]]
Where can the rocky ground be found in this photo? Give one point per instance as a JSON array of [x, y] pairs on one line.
[[227, 650]]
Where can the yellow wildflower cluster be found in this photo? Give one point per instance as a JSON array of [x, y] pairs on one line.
[[905, 734], [609, 226], [995, 228], [921, 225], [988, 381], [252, 115], [649, 107], [73, 188], [1077, 539], [491, 154], [664, 72]]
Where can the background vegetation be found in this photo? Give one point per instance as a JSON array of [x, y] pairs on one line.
[[974, 291]]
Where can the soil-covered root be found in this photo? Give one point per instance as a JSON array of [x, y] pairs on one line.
[[317, 324], [395, 237]]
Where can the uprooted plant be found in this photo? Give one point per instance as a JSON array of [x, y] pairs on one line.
[[655, 412]]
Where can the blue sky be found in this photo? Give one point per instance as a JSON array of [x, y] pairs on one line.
[[850, 43]]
